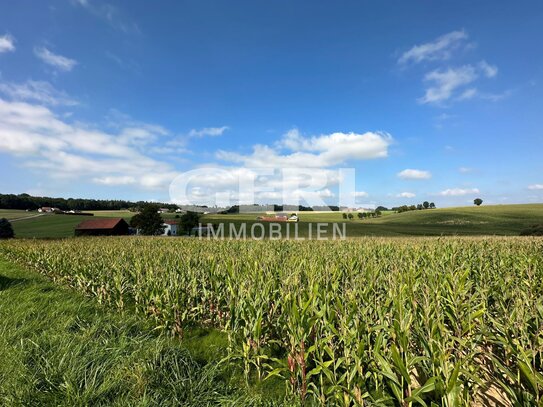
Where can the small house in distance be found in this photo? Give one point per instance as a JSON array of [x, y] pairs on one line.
[[171, 228], [102, 227]]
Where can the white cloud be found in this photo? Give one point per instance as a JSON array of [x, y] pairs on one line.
[[446, 82], [459, 192], [439, 49], [64, 150], [414, 174], [120, 180], [58, 61], [7, 43], [316, 152], [465, 170], [468, 94], [535, 187], [361, 194], [110, 14], [208, 132], [490, 71], [37, 91], [406, 195]]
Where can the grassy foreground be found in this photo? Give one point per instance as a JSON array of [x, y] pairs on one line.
[[58, 347]]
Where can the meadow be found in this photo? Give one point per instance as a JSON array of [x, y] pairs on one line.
[[504, 220], [371, 321]]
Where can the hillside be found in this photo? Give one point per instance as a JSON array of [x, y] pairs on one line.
[[484, 220]]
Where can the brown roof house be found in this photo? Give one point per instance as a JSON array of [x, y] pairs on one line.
[[102, 227]]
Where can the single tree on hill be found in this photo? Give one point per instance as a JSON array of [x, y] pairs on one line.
[[148, 221], [188, 221], [478, 201], [344, 215], [6, 230], [350, 216], [432, 205], [426, 204]]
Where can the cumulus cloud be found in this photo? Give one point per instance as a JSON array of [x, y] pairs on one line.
[[36, 91], [73, 150], [406, 195], [7, 43], [240, 185], [58, 61], [414, 174], [296, 169], [535, 187], [439, 49], [459, 191], [317, 151]]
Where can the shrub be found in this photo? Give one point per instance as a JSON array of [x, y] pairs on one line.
[[6, 230]]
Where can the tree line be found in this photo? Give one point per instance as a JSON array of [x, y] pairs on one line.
[[421, 206], [26, 201]]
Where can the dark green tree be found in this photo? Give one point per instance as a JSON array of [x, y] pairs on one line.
[[344, 215], [432, 205], [188, 221], [6, 230], [426, 204], [478, 201], [350, 216], [360, 215], [148, 221]]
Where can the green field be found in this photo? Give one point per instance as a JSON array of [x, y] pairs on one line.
[[464, 221], [484, 220], [372, 321], [58, 347]]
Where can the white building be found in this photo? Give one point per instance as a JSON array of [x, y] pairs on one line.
[[171, 228]]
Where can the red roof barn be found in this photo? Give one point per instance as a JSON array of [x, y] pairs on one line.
[[102, 227]]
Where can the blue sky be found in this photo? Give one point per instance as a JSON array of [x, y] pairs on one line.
[[426, 100]]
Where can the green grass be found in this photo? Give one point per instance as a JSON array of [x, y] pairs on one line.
[[484, 220], [11, 214], [468, 221], [49, 226], [58, 347]]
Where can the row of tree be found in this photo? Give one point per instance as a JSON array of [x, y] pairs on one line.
[[26, 201], [362, 215], [421, 206]]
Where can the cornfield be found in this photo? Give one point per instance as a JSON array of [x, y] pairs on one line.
[[442, 321]]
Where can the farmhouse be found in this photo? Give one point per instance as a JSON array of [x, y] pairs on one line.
[[279, 217], [102, 227], [170, 228], [48, 209]]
